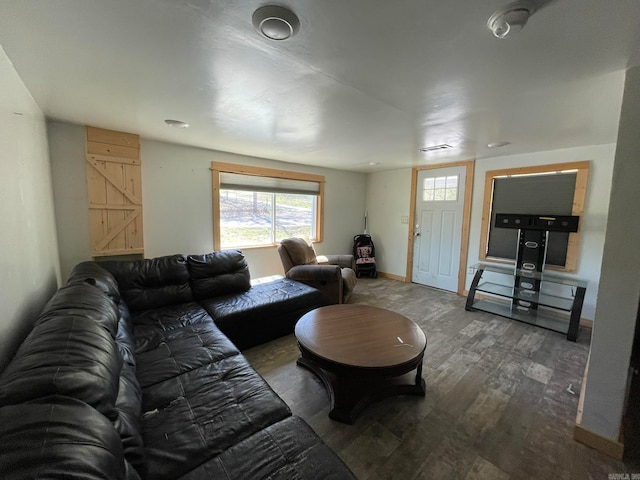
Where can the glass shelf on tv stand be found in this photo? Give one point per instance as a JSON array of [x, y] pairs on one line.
[[556, 306]]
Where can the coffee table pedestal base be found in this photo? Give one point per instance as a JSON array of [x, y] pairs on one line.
[[351, 390]]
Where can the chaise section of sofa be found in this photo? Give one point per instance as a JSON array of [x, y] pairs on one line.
[[220, 283], [135, 384], [266, 311], [286, 450], [200, 395]]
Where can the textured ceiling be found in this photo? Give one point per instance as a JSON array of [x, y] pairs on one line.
[[363, 81]]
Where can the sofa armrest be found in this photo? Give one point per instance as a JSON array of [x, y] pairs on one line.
[[343, 261], [326, 278], [315, 273]]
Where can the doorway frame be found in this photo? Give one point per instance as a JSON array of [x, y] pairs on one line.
[[466, 217]]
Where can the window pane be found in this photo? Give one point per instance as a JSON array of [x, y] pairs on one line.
[[294, 215], [440, 189], [245, 218]]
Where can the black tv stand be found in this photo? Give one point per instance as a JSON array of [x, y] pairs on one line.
[[558, 302], [529, 295]]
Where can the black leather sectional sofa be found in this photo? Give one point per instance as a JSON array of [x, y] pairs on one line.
[[133, 370]]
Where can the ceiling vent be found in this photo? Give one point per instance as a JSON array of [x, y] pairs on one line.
[[435, 148]]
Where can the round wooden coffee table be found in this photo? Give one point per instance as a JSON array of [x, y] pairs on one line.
[[362, 354]]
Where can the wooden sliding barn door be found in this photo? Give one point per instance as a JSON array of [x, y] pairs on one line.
[[115, 192]]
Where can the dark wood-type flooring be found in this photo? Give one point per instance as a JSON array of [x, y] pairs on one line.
[[497, 403]]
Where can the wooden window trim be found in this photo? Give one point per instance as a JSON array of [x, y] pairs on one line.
[[220, 167], [579, 196]]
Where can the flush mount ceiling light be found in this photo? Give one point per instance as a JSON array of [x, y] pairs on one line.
[[176, 123], [510, 19], [275, 22]]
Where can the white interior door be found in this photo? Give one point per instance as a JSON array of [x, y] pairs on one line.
[[438, 227]]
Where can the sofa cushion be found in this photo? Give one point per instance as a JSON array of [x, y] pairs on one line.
[[150, 326], [67, 355], [218, 273], [93, 274], [82, 300], [285, 450], [58, 437], [183, 350], [266, 311], [300, 251], [152, 283], [195, 416]]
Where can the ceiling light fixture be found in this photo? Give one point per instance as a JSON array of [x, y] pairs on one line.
[[275, 22], [510, 19], [176, 123]]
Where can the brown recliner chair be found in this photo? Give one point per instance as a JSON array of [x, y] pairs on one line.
[[333, 275]]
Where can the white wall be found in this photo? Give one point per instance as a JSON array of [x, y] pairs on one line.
[[388, 198], [619, 290], [68, 170], [177, 200], [29, 266], [178, 217]]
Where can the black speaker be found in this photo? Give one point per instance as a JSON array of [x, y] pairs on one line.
[[548, 223]]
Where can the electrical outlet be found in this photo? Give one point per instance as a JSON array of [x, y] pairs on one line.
[[471, 270], [404, 219]]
